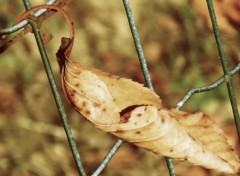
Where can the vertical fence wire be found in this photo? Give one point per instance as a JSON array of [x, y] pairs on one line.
[[137, 43], [143, 63], [227, 78], [56, 94], [58, 101], [227, 74]]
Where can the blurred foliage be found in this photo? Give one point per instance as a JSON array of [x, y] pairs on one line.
[[180, 50]]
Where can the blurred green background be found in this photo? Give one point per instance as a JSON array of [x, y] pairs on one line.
[[181, 53]]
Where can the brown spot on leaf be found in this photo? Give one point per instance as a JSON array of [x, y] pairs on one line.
[[109, 75], [95, 104], [163, 120], [185, 114], [77, 84], [138, 132], [88, 112], [119, 131], [205, 116], [124, 118], [128, 109], [77, 72], [73, 92], [126, 113], [84, 104], [139, 115]]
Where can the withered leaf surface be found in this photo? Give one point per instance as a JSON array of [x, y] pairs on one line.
[[125, 92], [136, 115], [190, 137]]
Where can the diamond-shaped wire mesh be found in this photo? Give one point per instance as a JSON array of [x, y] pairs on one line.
[[143, 63]]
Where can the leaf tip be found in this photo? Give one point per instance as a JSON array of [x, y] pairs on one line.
[[64, 51]]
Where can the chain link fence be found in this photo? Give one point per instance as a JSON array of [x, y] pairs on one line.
[[226, 78]]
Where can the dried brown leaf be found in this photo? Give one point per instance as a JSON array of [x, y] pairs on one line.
[[135, 114], [205, 132], [122, 107]]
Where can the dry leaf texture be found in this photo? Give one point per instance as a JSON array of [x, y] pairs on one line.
[[135, 114]]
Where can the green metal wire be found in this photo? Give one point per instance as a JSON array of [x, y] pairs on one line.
[[227, 77], [108, 158], [58, 100], [205, 88], [24, 22], [27, 4], [143, 63], [56, 94], [137, 44], [227, 74]]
